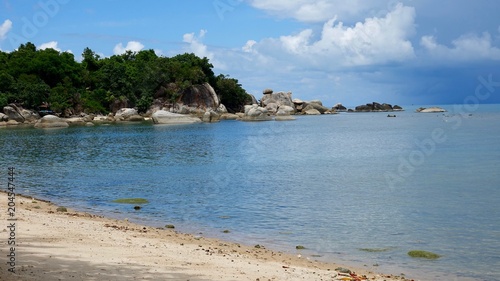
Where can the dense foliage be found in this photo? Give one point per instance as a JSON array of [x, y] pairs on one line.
[[31, 77]]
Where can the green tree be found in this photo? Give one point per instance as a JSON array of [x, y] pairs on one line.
[[232, 95]]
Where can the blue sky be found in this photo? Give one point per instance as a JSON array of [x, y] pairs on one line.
[[353, 52]]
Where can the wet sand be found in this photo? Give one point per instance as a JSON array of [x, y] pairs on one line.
[[55, 245]]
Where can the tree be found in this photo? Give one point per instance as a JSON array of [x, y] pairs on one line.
[[232, 95]]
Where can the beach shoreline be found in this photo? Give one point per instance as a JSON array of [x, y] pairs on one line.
[[55, 245]]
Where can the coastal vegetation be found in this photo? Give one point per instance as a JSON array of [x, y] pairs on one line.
[[32, 78]]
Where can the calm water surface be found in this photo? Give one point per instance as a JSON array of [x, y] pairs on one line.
[[334, 184]]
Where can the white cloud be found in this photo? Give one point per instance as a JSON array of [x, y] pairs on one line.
[[248, 46], [374, 41], [196, 46], [465, 48], [323, 10], [5, 28], [133, 46], [49, 45]]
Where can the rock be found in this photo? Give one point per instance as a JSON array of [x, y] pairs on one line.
[[375, 107], [118, 104], [200, 96], [211, 117], [256, 113], [316, 106], [434, 109], [89, 124], [51, 121], [389, 115], [74, 120], [397, 108], [229, 116], [221, 109], [13, 113], [125, 113], [267, 92], [312, 111], [272, 108], [135, 118], [165, 117], [280, 99], [317, 102], [29, 115], [253, 100], [3, 117], [88, 118], [12, 123], [339, 107], [287, 109], [283, 114]]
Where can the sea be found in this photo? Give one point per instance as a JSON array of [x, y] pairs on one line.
[[360, 189]]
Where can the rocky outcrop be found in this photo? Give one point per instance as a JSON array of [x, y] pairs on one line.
[[200, 97], [318, 105], [256, 113], [13, 113], [312, 111], [339, 107], [20, 115], [128, 114], [3, 117], [280, 98], [434, 109], [166, 117], [284, 114], [376, 107], [211, 117], [51, 121]]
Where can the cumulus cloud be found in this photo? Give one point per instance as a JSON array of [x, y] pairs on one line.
[[323, 10], [374, 41], [133, 46], [5, 28], [465, 48], [196, 46], [49, 45]]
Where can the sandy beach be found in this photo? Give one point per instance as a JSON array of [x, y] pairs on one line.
[[55, 245]]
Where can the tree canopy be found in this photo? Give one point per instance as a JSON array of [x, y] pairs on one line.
[[31, 77]]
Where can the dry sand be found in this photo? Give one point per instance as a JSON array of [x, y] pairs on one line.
[[52, 245]]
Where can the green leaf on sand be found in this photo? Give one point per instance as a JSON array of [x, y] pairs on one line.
[[424, 255], [131, 201]]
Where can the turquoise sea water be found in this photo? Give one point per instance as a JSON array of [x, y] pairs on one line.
[[334, 184]]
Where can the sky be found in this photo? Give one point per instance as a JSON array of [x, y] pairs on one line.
[[352, 52]]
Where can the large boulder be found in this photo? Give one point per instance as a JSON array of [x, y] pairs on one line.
[[13, 113], [3, 117], [256, 113], [374, 106], [284, 114], [166, 117], [128, 114], [51, 121], [339, 107], [312, 111], [280, 98], [200, 96], [434, 109], [317, 106], [272, 108], [210, 117], [29, 115]]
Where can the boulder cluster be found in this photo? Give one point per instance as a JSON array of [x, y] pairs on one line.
[[198, 103]]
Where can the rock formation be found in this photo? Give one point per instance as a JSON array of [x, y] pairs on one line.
[[434, 109], [166, 117], [51, 121], [256, 113]]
